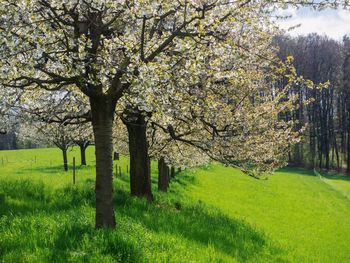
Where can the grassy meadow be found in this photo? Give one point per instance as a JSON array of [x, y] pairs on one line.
[[210, 214]]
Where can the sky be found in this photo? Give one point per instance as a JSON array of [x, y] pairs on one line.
[[333, 23]]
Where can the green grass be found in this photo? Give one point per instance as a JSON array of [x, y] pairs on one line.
[[307, 217], [339, 182], [212, 214]]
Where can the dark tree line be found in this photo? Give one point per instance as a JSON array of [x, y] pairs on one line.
[[8, 141], [326, 141]]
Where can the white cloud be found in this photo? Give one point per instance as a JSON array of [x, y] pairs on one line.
[[333, 23]]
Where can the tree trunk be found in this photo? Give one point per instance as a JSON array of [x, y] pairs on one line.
[[140, 173], [172, 172], [102, 121], [167, 175], [348, 149], [65, 159], [83, 146], [336, 149], [162, 175]]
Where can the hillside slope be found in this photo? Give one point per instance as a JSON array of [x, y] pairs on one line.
[[303, 213], [212, 214]]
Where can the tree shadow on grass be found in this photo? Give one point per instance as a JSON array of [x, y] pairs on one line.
[[69, 245], [337, 177], [172, 213], [308, 172], [296, 170], [20, 197], [62, 236], [206, 226], [54, 169], [176, 214]]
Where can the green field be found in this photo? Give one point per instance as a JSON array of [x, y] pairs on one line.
[[211, 214]]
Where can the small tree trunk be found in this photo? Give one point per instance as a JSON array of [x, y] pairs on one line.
[[65, 159], [140, 173], [102, 121], [83, 147], [172, 173], [168, 175], [162, 175], [348, 149], [336, 149]]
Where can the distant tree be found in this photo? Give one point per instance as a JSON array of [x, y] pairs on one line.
[[82, 136], [344, 104], [56, 134], [320, 60]]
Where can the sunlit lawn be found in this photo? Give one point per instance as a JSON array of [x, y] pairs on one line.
[[307, 217]]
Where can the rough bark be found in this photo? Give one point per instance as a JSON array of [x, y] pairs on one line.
[[348, 149], [168, 175], [172, 172], [163, 180], [102, 121], [83, 146], [65, 159], [82, 155], [140, 174]]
